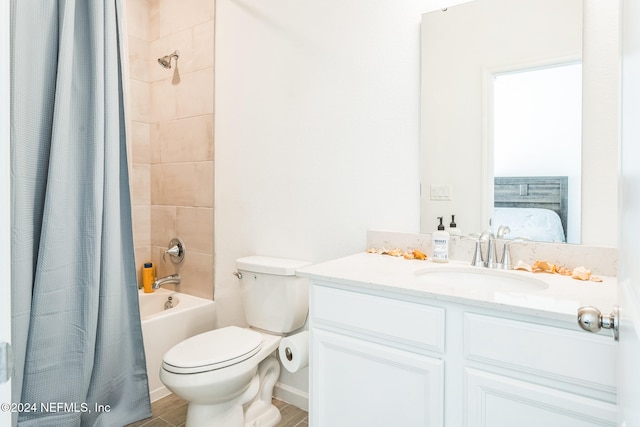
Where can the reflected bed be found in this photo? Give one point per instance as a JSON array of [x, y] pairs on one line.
[[534, 207]]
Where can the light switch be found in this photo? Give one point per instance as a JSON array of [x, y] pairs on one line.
[[441, 192]]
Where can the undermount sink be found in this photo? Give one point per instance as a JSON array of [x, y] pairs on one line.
[[478, 277]]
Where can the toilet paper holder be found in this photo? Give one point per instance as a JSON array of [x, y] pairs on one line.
[[294, 351], [288, 354]]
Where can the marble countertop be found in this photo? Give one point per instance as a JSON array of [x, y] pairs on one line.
[[559, 300]]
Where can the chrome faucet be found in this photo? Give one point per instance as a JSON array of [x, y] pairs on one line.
[[170, 279], [478, 260], [506, 255], [176, 253], [502, 230], [490, 261]]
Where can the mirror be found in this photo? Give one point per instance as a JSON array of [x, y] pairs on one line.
[[463, 50]]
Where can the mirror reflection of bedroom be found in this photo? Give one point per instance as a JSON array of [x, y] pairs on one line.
[[537, 122], [555, 116]]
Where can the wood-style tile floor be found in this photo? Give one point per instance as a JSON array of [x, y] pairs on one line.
[[171, 411]]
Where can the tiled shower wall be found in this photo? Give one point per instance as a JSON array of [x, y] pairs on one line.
[[171, 131]]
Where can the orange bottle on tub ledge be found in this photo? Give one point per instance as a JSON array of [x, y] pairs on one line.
[[148, 277]]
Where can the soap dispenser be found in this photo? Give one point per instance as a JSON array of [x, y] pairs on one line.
[[453, 228], [440, 243]]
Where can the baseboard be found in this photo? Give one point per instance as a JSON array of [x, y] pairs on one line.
[[291, 395], [159, 393]]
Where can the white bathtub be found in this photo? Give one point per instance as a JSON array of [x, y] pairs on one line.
[[162, 329]]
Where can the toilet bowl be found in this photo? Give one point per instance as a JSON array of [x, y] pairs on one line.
[[218, 383], [227, 375]]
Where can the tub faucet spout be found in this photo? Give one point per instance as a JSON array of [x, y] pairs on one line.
[[172, 278]]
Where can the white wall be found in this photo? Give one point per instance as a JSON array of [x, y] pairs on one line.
[[317, 109], [600, 122]]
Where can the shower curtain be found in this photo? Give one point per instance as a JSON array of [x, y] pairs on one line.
[[79, 358]]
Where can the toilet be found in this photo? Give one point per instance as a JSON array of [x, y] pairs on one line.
[[227, 375]]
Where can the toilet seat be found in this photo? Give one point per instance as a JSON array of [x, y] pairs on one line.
[[212, 350]]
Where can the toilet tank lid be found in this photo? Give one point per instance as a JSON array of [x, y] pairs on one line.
[[270, 265]]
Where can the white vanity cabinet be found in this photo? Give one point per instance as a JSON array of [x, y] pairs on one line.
[[381, 358], [374, 361]]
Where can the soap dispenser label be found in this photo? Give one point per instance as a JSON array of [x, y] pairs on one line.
[[441, 249]]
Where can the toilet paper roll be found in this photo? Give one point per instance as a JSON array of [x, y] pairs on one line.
[[294, 351]]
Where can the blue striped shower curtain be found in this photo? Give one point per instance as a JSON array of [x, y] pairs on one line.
[[78, 352]]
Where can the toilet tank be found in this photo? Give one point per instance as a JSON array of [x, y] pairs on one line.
[[274, 299]]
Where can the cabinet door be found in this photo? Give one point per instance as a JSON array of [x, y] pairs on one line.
[[358, 383], [498, 401]]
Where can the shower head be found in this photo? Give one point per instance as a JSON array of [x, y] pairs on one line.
[[165, 61]]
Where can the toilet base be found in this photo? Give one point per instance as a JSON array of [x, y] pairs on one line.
[[227, 414], [261, 412], [269, 418], [199, 416], [202, 415], [252, 408]]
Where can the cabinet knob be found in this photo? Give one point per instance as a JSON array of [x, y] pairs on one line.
[[592, 320]]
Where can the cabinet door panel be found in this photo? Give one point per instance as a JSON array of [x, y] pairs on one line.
[[357, 383], [498, 401]]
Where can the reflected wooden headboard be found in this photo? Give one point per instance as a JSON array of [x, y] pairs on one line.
[[544, 192]]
